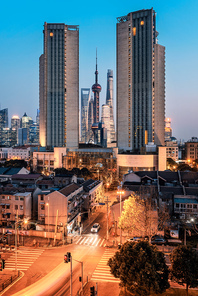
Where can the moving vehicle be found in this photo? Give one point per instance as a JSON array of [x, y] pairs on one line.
[[95, 227]]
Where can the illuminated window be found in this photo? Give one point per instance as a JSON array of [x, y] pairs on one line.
[[51, 34], [142, 23], [134, 31]]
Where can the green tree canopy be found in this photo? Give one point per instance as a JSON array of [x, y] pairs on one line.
[[141, 268], [184, 266], [16, 163]]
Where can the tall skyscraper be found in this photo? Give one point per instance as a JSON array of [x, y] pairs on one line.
[[105, 118], [96, 88], [109, 102], [140, 81], [90, 120], [59, 86], [3, 121], [85, 98]]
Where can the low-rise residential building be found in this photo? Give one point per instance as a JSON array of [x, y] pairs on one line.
[[19, 153], [61, 207], [191, 148], [186, 207], [172, 149], [15, 206]]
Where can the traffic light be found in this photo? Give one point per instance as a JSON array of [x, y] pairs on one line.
[[92, 291], [2, 264], [67, 257]]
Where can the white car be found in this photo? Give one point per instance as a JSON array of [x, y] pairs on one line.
[[95, 227]]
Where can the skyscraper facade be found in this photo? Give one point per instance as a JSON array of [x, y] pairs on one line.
[[105, 118], [109, 101], [85, 98], [59, 86], [3, 121], [90, 120], [140, 81]]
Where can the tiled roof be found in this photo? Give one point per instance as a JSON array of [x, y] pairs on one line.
[[151, 174], [191, 190], [25, 176], [3, 170], [12, 171], [169, 176], [190, 177], [172, 189], [69, 189]]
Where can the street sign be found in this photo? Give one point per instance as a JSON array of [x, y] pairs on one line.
[[101, 203]]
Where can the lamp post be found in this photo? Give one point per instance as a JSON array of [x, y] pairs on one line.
[[17, 222], [120, 192], [47, 204]]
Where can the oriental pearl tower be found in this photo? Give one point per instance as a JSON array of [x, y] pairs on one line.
[[96, 88]]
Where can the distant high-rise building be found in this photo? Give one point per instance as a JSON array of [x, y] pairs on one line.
[[109, 101], [15, 122], [22, 136], [59, 86], [96, 88], [26, 121], [15, 125], [140, 81], [168, 129], [85, 98], [3, 121], [105, 118]]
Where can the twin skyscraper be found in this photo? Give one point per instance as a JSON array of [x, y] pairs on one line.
[[140, 87]]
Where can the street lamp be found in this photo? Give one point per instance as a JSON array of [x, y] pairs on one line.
[[47, 204], [15, 224], [120, 192]]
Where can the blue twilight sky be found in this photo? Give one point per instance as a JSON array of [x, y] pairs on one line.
[[21, 40]]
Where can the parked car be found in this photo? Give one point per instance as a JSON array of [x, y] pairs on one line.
[[158, 241], [95, 227]]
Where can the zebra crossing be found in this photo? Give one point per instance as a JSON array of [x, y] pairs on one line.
[[102, 271], [92, 240], [25, 258]]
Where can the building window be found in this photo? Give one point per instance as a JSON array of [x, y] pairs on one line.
[[16, 198], [16, 207], [194, 206], [7, 206], [42, 207], [142, 23], [51, 34], [134, 31], [21, 207], [177, 205]]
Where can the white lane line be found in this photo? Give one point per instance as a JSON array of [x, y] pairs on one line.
[[94, 241], [98, 242], [102, 242], [82, 240], [78, 240]]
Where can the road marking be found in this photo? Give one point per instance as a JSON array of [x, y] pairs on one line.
[[102, 271], [25, 258], [90, 241]]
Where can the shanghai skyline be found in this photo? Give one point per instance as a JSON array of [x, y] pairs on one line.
[[21, 45]]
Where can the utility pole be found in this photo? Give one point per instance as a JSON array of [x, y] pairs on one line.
[[107, 218]]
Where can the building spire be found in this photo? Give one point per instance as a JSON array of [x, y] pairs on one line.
[[96, 72]]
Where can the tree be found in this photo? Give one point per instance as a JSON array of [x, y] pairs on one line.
[[141, 268], [61, 171], [184, 167], [139, 215], [184, 267]]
